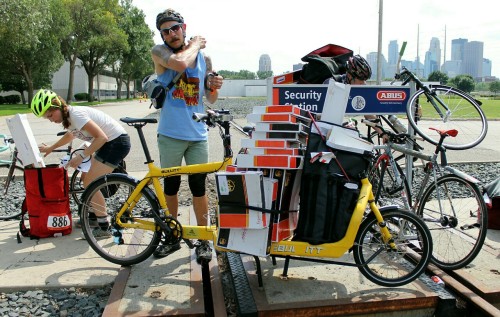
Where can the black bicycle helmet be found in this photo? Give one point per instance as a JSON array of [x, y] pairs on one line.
[[359, 68], [168, 15]]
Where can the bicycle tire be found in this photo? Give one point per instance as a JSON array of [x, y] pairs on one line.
[[457, 239], [136, 245], [390, 267], [11, 202], [466, 117], [76, 186], [386, 189]]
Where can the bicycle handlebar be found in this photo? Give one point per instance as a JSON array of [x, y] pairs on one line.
[[213, 116]]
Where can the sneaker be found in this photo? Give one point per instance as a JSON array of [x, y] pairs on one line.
[[92, 223], [164, 250], [101, 233], [203, 252]]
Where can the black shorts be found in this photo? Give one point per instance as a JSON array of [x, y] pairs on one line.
[[114, 151]]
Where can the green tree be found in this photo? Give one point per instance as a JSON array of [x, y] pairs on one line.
[[101, 38], [242, 74], [463, 82], [441, 77], [30, 37], [495, 87], [264, 74], [136, 62]]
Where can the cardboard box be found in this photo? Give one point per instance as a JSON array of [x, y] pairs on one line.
[[287, 78], [26, 144], [291, 136], [277, 117], [286, 127], [251, 241], [269, 161], [337, 96], [341, 138], [281, 109], [348, 140], [264, 151], [270, 192], [236, 193], [270, 144], [284, 224]]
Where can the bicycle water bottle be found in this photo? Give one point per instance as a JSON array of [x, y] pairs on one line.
[[398, 125]]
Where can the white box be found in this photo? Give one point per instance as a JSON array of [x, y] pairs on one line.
[[250, 241], [237, 191], [337, 96], [26, 144], [341, 138]]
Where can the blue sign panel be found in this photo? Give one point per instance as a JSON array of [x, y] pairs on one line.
[[308, 97], [362, 99]]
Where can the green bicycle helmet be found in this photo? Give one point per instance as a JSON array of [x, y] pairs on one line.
[[42, 101]]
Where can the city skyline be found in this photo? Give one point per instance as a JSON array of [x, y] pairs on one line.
[[238, 34]]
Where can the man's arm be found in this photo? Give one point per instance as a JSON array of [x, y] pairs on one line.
[[164, 58]]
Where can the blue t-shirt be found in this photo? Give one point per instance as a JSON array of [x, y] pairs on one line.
[[185, 98]]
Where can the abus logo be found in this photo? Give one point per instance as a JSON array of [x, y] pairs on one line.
[[385, 95]]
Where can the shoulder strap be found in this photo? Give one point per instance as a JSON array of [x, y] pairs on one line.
[[25, 232], [172, 83]]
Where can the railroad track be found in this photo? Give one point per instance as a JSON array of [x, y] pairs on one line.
[[320, 290]]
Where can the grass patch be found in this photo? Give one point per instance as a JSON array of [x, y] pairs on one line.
[[10, 110], [491, 107]]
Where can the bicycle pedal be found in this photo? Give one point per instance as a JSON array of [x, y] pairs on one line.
[[395, 190], [190, 244]]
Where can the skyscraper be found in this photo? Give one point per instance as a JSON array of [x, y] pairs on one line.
[[432, 60], [473, 59], [265, 63], [457, 49], [393, 52]]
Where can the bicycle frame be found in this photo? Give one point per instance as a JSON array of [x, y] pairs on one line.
[[209, 232], [432, 97], [339, 248], [281, 248]]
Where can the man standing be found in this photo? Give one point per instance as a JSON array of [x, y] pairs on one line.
[[179, 136]]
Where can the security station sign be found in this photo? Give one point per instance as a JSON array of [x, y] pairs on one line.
[[362, 99]]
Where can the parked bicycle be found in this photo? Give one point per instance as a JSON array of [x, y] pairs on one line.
[[11, 177], [444, 108], [391, 247], [448, 200]]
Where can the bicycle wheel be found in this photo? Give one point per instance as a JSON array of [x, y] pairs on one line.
[[135, 245], [12, 191], [388, 190], [76, 186], [397, 266], [465, 116], [459, 230]]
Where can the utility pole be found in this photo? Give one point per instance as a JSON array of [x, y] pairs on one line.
[[379, 54]]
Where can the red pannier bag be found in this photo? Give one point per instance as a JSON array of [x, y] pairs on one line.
[[47, 202]]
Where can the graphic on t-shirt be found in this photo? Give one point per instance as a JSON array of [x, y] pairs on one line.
[[187, 88]]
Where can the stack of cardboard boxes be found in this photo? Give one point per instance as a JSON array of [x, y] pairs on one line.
[[265, 177]]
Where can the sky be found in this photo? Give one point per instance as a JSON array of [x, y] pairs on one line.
[[238, 32]]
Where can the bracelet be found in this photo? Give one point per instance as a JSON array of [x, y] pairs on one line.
[[81, 154]]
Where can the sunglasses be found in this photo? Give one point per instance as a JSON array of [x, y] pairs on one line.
[[173, 28]]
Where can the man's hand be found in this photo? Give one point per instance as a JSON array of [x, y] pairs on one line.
[[199, 41]]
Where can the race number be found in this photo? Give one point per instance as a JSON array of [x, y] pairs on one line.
[[58, 222]]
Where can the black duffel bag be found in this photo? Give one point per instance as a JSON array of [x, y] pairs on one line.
[[328, 193]]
